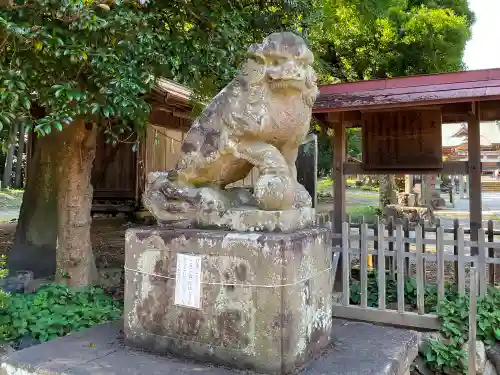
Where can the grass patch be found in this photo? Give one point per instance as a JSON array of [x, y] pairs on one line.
[[11, 198], [324, 184], [369, 213], [362, 194], [368, 188]]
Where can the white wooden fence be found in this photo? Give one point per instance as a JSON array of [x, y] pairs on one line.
[[471, 365], [401, 254]]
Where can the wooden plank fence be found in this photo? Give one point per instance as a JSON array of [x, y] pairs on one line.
[[393, 247], [394, 250], [471, 366], [408, 231]]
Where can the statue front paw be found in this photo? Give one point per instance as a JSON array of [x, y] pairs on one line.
[[302, 197], [168, 211], [274, 192]]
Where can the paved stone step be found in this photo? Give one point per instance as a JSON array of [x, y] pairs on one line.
[[357, 348], [490, 186]]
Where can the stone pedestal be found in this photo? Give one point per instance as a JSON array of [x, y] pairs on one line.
[[265, 297], [245, 220]]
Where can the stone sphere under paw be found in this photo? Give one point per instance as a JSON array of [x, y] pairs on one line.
[[274, 192]]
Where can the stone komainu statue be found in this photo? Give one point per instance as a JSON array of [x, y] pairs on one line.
[[258, 120]]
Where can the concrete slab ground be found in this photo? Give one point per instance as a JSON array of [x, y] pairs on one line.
[[357, 348]]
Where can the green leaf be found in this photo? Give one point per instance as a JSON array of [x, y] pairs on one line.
[[107, 111], [95, 108], [497, 333], [4, 120]]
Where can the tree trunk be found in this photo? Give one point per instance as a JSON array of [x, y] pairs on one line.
[[54, 223], [20, 154], [75, 262], [7, 172], [35, 242]]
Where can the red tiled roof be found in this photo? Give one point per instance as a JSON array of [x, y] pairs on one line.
[[410, 91]]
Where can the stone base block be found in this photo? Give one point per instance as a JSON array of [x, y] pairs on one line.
[[265, 297], [357, 349], [252, 220]]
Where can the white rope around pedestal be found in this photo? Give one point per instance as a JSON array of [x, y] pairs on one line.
[[231, 284]]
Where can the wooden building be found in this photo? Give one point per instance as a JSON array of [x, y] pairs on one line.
[[455, 147], [401, 121], [118, 175]]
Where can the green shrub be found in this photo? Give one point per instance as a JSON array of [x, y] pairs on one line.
[[443, 357], [55, 310], [446, 358], [391, 295], [3, 273], [368, 188], [454, 315], [369, 213], [3, 295]]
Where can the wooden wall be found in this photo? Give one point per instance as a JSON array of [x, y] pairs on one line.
[[162, 147], [114, 171]]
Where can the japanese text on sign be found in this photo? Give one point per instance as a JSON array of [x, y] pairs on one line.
[[188, 281]]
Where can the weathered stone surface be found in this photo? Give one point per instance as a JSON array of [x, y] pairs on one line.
[[421, 366], [63, 354], [274, 317], [438, 202], [413, 214], [493, 354], [357, 349], [250, 220], [6, 349], [407, 199], [480, 356], [32, 286], [16, 282], [27, 342], [425, 337], [489, 369], [360, 348], [258, 120], [412, 200], [110, 277]]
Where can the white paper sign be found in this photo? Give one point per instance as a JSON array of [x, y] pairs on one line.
[[188, 281]]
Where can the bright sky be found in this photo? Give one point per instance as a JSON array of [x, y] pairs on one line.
[[483, 50]]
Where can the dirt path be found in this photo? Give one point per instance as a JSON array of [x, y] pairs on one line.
[[107, 234]]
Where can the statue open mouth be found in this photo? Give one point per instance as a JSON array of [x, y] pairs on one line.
[[286, 83]]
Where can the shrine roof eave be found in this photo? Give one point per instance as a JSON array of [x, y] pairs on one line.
[[423, 90]]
